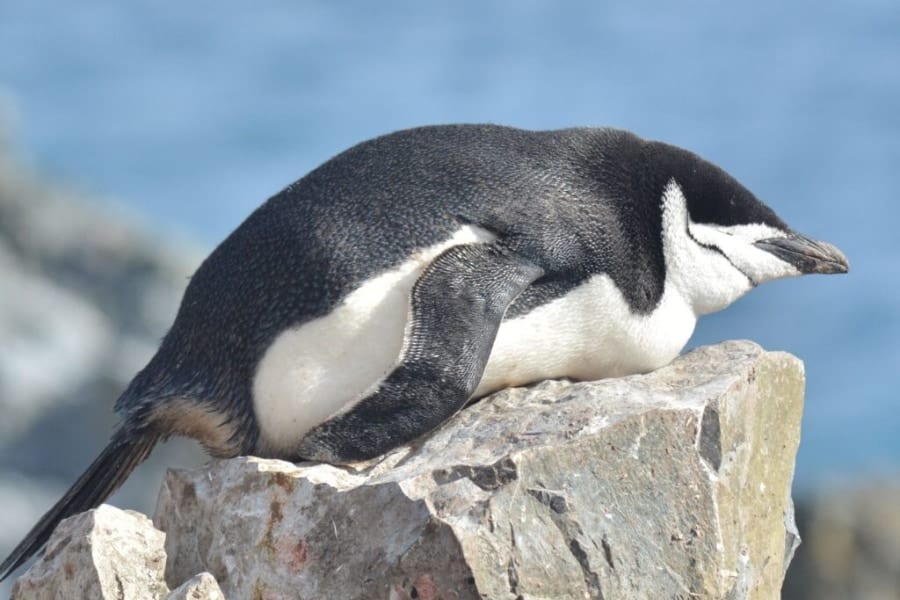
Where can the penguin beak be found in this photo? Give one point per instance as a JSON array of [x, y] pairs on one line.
[[809, 256]]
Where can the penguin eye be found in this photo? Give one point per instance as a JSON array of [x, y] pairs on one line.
[[731, 231], [724, 230]]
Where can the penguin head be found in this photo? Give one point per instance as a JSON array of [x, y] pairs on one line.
[[723, 240]]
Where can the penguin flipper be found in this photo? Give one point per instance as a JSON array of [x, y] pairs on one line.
[[456, 309]]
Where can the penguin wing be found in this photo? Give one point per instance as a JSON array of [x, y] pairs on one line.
[[457, 305]]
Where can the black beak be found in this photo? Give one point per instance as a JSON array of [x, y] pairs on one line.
[[807, 255]]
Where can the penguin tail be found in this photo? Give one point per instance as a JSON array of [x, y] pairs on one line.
[[125, 451]]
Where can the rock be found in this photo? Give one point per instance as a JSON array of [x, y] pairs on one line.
[[198, 587], [671, 484], [102, 553], [852, 545]]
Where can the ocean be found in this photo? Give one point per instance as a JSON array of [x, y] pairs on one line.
[[189, 115]]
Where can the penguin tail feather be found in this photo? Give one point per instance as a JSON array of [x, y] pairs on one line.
[[125, 451]]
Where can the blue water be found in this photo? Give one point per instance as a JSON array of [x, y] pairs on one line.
[[192, 113]]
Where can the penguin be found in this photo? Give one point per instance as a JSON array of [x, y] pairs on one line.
[[366, 303]]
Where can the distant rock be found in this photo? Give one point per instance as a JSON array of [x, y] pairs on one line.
[[851, 545]]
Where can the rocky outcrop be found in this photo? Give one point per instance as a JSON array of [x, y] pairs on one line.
[[669, 485], [672, 484]]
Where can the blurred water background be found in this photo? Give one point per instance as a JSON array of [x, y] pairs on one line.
[[189, 115]]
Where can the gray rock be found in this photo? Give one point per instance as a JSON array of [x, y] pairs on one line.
[[198, 587], [672, 484], [101, 554], [852, 544]]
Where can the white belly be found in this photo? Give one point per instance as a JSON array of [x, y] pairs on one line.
[[313, 371], [327, 365], [590, 333]]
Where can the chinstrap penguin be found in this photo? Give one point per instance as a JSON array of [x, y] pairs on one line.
[[365, 304]]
